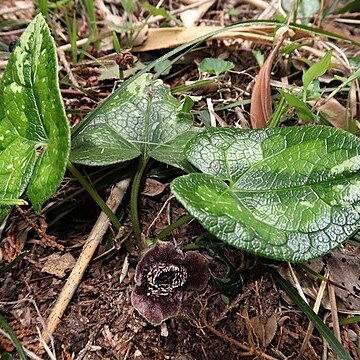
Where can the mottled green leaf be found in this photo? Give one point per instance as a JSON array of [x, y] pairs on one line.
[[144, 119], [34, 132], [289, 194]]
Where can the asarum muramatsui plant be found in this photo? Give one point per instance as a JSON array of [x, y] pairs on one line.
[[162, 274]]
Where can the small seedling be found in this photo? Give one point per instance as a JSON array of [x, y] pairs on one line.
[[259, 57], [316, 70], [215, 66]]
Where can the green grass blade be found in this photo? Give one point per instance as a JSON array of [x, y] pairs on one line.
[[316, 70], [193, 86], [7, 267], [89, 7], [116, 42], [185, 48], [350, 320], [6, 356], [315, 319], [4, 324], [276, 116]]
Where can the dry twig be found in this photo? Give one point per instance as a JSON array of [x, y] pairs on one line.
[[85, 257], [248, 349], [316, 308], [334, 313], [67, 67]]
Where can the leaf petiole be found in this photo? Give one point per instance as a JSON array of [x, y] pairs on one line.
[[93, 193], [169, 229], [134, 200]]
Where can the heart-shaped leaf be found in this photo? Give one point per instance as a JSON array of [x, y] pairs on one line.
[[289, 194], [34, 132], [143, 119]]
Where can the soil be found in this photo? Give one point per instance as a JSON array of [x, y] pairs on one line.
[[100, 322]]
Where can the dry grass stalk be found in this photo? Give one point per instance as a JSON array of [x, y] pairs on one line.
[[316, 308], [334, 312]]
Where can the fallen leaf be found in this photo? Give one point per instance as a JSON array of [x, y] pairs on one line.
[[190, 17], [264, 330], [334, 112], [153, 187], [105, 14], [344, 268], [337, 29], [57, 264], [163, 38], [343, 264], [261, 110]]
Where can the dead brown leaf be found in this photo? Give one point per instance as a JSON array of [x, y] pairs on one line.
[[163, 38], [343, 264], [340, 30], [153, 187], [57, 264], [190, 17], [265, 330], [344, 267], [261, 110], [334, 112]]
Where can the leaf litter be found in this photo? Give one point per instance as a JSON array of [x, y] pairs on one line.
[[100, 323]]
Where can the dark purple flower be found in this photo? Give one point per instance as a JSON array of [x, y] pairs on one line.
[[161, 276]]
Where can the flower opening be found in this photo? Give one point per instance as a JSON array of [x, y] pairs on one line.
[[161, 276]]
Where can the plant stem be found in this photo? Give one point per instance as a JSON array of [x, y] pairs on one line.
[[191, 246], [93, 193], [169, 229], [276, 116], [134, 200], [44, 9]]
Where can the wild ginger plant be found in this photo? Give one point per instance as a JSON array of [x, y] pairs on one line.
[[289, 194]]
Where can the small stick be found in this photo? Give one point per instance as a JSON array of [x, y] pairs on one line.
[[316, 308], [62, 58], [297, 284], [249, 349], [91, 244], [334, 313]]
